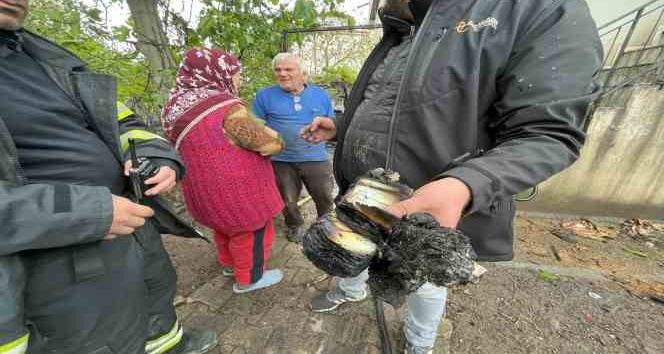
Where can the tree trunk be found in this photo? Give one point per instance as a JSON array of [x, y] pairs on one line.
[[152, 41]]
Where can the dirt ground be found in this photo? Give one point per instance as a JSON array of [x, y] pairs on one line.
[[594, 295]]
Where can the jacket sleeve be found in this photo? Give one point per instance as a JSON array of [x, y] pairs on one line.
[[39, 216], [148, 144], [543, 95]]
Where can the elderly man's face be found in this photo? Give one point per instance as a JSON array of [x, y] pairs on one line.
[[288, 75], [12, 14]]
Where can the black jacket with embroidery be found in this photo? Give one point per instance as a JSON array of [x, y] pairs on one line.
[[494, 94]]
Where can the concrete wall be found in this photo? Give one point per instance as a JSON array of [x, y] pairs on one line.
[[621, 169]]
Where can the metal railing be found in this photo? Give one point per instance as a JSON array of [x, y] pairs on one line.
[[633, 43], [284, 36], [634, 53]]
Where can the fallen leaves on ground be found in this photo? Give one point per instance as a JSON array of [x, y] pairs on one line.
[[641, 288], [639, 229], [585, 228]]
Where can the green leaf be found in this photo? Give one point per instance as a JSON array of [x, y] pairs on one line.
[[306, 10], [121, 33], [543, 274], [635, 252], [94, 14]]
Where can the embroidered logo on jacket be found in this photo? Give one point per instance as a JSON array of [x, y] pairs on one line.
[[470, 25]]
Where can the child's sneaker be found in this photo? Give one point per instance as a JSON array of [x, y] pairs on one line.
[[270, 277], [227, 271]]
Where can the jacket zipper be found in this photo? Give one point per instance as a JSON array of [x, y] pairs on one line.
[[77, 102], [393, 120]]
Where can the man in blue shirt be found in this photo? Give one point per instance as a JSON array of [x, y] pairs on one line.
[[288, 107]]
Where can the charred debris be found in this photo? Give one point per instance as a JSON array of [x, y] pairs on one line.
[[401, 254]]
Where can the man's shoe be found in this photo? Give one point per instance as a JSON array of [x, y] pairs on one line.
[[295, 233], [195, 342], [332, 299], [411, 349]]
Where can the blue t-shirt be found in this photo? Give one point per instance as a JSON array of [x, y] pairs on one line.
[[287, 114]]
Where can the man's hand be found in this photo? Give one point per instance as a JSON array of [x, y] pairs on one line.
[[319, 130], [164, 181], [127, 216], [444, 199]]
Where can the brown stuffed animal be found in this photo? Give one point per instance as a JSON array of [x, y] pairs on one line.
[[244, 130]]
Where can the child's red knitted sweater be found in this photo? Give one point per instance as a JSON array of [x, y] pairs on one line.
[[226, 188]]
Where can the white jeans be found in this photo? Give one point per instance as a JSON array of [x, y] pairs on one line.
[[426, 307]]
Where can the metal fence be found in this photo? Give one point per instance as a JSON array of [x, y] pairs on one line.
[[324, 51], [633, 44]]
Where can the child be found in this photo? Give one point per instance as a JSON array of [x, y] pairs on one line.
[[230, 184]]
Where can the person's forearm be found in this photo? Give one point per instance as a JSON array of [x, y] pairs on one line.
[[41, 216]]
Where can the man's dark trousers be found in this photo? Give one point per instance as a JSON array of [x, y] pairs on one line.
[[161, 280], [316, 177], [136, 272], [87, 299]]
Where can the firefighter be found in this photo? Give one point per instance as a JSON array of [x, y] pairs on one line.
[[97, 278]]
